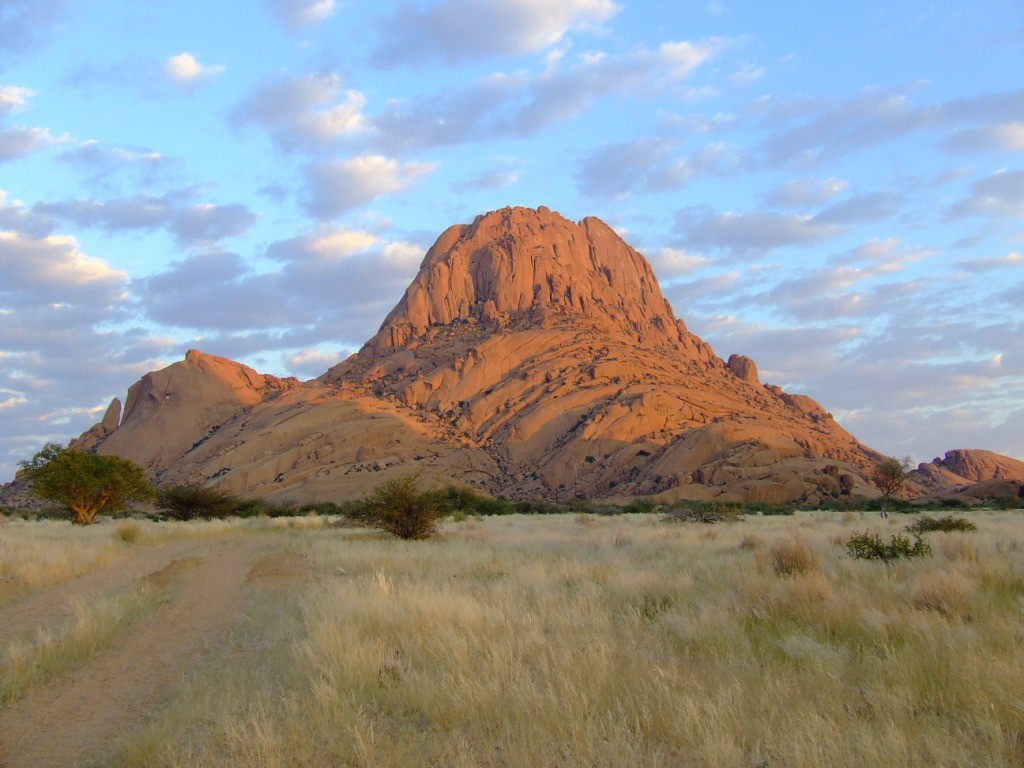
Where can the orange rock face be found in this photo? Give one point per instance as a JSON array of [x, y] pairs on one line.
[[531, 356]]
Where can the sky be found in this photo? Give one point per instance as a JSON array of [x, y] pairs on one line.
[[835, 190]]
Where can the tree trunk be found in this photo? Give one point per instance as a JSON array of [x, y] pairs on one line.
[[85, 514]]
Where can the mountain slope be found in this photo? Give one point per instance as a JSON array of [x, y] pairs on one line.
[[530, 356]]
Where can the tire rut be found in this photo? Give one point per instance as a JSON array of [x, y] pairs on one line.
[[52, 607], [78, 717]]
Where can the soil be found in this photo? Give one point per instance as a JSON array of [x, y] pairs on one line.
[[77, 718]]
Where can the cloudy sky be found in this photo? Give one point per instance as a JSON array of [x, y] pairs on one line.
[[835, 190]]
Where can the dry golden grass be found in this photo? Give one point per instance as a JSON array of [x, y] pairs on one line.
[[43, 553], [793, 556], [27, 663], [550, 641]]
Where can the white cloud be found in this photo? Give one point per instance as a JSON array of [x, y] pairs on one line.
[[805, 131], [303, 12], [756, 232], [18, 142], [748, 75], [303, 111], [521, 103], [999, 196], [683, 57], [341, 185], [51, 266], [652, 166], [502, 172], [309, 362], [806, 192], [25, 24], [333, 286], [13, 97], [196, 224], [455, 31], [673, 262], [1013, 260], [1003, 137], [325, 244], [207, 223], [186, 69]]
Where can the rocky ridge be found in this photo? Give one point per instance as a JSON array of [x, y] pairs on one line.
[[531, 356]]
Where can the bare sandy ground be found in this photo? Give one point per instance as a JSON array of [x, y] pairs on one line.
[[78, 717]]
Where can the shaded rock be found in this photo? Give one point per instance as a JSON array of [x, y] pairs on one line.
[[743, 368]]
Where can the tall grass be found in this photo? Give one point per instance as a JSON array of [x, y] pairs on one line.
[[27, 663], [542, 642]]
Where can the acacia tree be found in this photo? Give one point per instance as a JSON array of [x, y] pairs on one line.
[[86, 483], [889, 477]]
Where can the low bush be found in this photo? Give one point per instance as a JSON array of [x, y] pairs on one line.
[[401, 509], [869, 546], [193, 501], [953, 504], [263, 508], [322, 508], [469, 502], [1006, 502], [925, 524], [540, 508], [864, 504], [764, 508], [641, 505]]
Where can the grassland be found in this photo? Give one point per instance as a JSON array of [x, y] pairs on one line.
[[601, 641]]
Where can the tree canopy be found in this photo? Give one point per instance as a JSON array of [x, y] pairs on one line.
[[86, 483], [889, 477]]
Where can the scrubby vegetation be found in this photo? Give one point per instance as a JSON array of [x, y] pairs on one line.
[[704, 512], [194, 502], [869, 546], [926, 524], [402, 509]]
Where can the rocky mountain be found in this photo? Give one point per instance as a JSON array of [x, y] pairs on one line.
[[531, 356], [971, 473]]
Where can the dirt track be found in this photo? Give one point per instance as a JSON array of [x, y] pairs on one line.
[[79, 716]]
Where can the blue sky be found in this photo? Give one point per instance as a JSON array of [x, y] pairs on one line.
[[836, 191]]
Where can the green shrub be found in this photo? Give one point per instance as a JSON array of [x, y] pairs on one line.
[[534, 507], [193, 501], [641, 505], [322, 508], [263, 508], [953, 504], [1007, 502], [470, 502], [925, 524], [401, 509], [869, 546]]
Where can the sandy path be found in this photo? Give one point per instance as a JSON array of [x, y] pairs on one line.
[[54, 606], [78, 717]]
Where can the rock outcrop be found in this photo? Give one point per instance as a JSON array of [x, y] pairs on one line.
[[973, 473], [531, 356]]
